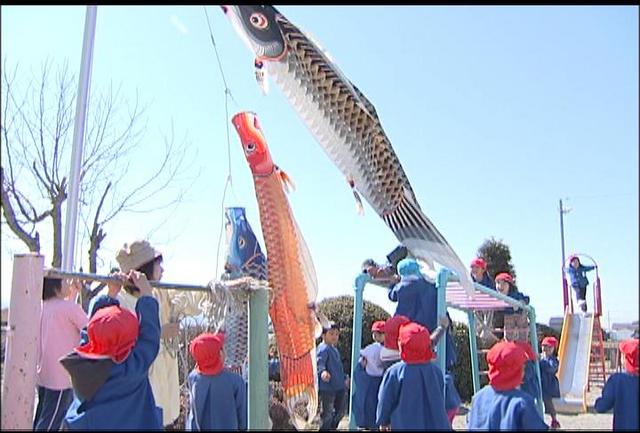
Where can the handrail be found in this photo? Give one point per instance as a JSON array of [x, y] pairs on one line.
[[57, 273]]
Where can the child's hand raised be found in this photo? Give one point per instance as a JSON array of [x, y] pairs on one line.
[[140, 281], [115, 287]]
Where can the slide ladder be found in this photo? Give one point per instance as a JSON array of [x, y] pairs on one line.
[[597, 372]]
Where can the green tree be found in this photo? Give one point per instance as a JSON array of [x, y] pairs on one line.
[[498, 257], [340, 310]]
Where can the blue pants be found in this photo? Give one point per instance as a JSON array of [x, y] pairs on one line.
[[365, 398], [333, 408], [52, 407]]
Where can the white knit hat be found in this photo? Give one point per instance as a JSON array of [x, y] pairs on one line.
[[135, 255]]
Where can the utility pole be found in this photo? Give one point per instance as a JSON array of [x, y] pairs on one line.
[[565, 288], [562, 212]]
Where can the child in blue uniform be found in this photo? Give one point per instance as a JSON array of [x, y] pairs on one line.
[[578, 280], [331, 379], [110, 372], [550, 386], [500, 405], [389, 353], [218, 396], [411, 395], [367, 378], [479, 273], [417, 298], [620, 393]]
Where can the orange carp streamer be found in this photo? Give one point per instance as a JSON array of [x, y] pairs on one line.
[[290, 273]]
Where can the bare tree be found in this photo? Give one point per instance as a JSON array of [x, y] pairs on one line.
[[37, 133]]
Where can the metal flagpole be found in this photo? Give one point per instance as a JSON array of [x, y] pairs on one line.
[[78, 138]]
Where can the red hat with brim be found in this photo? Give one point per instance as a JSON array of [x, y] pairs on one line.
[[205, 349], [414, 342], [479, 262], [112, 333], [378, 326], [629, 349], [392, 329], [504, 276], [506, 361], [550, 341]]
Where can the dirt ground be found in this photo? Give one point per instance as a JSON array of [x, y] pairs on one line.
[[583, 421]]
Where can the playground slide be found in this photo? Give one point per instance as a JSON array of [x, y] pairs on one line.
[[574, 354]]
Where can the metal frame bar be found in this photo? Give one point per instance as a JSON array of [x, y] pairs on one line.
[[57, 273]]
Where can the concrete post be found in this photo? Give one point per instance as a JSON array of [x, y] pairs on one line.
[[23, 339], [258, 399]]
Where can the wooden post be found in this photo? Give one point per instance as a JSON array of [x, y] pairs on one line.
[[23, 339]]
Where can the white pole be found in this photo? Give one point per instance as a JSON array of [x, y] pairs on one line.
[[78, 138]]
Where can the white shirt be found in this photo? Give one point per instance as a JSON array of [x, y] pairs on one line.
[[374, 364]]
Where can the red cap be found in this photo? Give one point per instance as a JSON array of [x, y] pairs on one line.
[[377, 326], [479, 262], [415, 344], [506, 361], [205, 349], [629, 348], [112, 332], [504, 276], [550, 341], [392, 329]]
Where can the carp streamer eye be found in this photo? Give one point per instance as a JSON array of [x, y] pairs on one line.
[[259, 21], [251, 147], [241, 242]]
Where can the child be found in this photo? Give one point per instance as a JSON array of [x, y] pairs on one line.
[[141, 256], [367, 378], [389, 353], [411, 395], [550, 385], [579, 282], [218, 396], [332, 380], [110, 371], [417, 298], [479, 273], [506, 285], [60, 325], [500, 405], [620, 393], [530, 383]]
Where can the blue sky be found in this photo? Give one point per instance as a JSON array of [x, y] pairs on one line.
[[494, 112]]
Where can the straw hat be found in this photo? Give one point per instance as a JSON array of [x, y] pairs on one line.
[[135, 255]]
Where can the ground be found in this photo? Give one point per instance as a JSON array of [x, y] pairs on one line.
[[583, 421]]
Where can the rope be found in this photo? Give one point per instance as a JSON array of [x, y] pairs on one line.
[[227, 95]]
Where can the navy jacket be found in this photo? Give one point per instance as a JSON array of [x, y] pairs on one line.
[[417, 299], [122, 400], [578, 277], [620, 393], [218, 402], [504, 410], [329, 359], [411, 397], [486, 281], [548, 369]]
